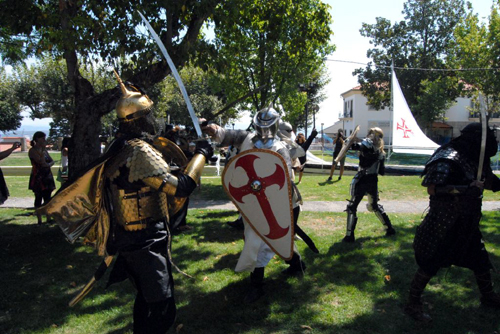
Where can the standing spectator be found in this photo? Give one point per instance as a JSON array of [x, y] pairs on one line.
[[338, 142], [301, 140], [64, 155], [41, 178], [4, 191]]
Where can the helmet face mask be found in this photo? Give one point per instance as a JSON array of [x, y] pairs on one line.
[[266, 124]]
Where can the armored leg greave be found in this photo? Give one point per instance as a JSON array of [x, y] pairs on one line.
[[352, 220], [485, 285], [381, 215], [414, 308], [418, 285]]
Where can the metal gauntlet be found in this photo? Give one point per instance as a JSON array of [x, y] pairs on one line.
[[168, 185], [195, 167]]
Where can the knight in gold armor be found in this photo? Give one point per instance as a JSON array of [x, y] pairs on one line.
[[123, 203]]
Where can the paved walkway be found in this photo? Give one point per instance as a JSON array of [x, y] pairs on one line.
[[389, 206]]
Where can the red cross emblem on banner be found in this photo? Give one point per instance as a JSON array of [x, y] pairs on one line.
[[405, 128]]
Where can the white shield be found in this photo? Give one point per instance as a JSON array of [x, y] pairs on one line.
[[258, 183]]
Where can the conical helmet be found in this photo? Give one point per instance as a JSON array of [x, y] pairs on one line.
[[133, 104]]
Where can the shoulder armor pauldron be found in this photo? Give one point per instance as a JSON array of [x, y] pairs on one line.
[[142, 160], [441, 164]]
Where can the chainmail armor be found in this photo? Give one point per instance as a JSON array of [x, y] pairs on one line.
[[451, 217]]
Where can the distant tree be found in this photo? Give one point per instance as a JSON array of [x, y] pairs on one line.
[[419, 44], [10, 109], [87, 30], [275, 44], [204, 94], [478, 47]]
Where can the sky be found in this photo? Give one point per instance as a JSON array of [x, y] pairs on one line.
[[350, 47], [348, 18]]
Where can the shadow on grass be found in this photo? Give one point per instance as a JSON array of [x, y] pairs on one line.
[[369, 280], [42, 272], [348, 288]]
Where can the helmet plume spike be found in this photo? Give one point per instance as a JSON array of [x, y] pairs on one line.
[[133, 104], [122, 85]]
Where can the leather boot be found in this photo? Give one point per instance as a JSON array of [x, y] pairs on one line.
[[256, 286], [488, 297], [297, 266], [415, 308], [237, 224]]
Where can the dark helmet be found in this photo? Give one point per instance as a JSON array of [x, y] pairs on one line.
[[472, 133]]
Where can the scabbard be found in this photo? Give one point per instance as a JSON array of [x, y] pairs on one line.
[[300, 232], [97, 276]]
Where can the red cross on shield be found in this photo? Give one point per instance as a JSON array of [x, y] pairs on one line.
[[258, 183]]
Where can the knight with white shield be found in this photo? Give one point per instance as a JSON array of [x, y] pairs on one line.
[[258, 180]]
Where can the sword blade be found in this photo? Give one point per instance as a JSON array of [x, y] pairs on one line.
[[483, 145], [175, 74]]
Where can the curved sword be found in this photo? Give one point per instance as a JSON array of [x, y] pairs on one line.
[[484, 122], [175, 74]]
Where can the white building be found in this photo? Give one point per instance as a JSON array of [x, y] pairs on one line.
[[358, 112]]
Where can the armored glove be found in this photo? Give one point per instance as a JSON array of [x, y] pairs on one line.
[[203, 147]]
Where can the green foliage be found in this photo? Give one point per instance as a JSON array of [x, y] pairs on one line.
[[346, 289], [276, 43], [421, 41], [202, 91], [478, 46], [10, 109]]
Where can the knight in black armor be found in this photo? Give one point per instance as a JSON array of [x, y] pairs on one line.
[[365, 182], [449, 234], [138, 192]]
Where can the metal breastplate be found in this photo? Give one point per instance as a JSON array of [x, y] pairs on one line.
[[135, 205], [135, 210]]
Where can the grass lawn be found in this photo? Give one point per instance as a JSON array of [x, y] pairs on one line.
[[313, 187], [21, 159], [356, 288]]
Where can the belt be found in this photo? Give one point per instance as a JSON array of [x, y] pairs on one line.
[[138, 195], [140, 224]]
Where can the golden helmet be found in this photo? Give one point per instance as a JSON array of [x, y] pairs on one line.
[[133, 104]]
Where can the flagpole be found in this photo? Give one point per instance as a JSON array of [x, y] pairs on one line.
[[391, 121]]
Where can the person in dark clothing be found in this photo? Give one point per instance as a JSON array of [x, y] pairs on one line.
[[365, 182], [449, 234], [41, 179], [4, 191], [304, 143], [338, 142]]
